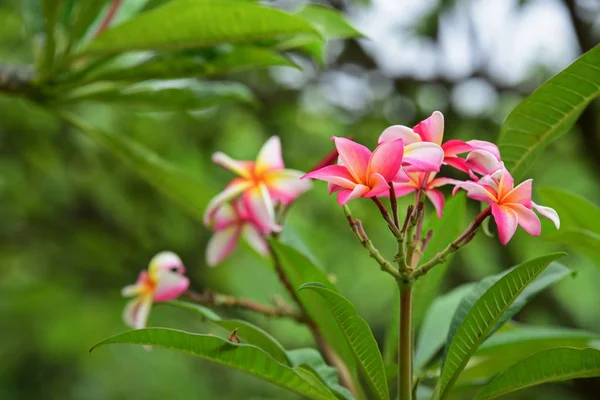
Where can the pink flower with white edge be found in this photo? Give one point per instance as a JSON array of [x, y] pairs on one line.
[[261, 183], [511, 206], [163, 281], [360, 172], [232, 222], [432, 130], [428, 183]]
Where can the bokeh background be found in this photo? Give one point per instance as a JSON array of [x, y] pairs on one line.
[[77, 224]]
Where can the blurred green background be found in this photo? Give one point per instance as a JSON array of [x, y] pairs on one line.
[[77, 224]]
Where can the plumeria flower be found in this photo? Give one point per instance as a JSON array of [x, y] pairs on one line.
[[231, 222], [360, 172], [261, 183], [428, 183], [432, 130], [511, 206], [163, 281]]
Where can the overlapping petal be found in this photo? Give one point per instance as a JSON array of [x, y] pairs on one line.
[[136, 312], [235, 188], [432, 128], [285, 185], [386, 160], [346, 195], [527, 219], [221, 245], [355, 157], [242, 168], [424, 156], [395, 132], [269, 157], [506, 220]]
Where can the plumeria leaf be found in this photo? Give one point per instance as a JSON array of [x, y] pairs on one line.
[[553, 365], [247, 332], [575, 211], [330, 22], [187, 190], [485, 316], [581, 240], [83, 15], [243, 357], [189, 24], [549, 112], [359, 337]]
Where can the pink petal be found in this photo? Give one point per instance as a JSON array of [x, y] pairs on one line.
[[269, 156], [136, 312], [346, 195], [424, 155], [221, 244], [454, 147], [378, 185], [437, 199], [401, 176], [255, 239], [437, 182], [487, 146], [260, 206], [165, 261], [355, 158], [506, 220], [483, 162], [476, 191], [332, 188], [225, 216], [336, 174], [526, 218], [386, 160], [242, 168], [457, 163], [506, 183], [432, 128], [285, 185], [548, 212], [394, 132], [402, 189], [521, 194], [234, 189], [170, 285]]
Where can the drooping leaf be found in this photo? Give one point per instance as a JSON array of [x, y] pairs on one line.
[[359, 337], [554, 365], [549, 112], [483, 317], [249, 333], [187, 190], [330, 22], [504, 349], [188, 24], [243, 357]]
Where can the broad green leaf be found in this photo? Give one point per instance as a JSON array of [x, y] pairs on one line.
[[179, 94], [249, 333], [504, 349], [554, 365], [434, 331], [359, 337], [549, 112], [189, 191], [484, 316], [575, 211], [299, 270], [188, 24], [172, 66], [312, 360], [581, 240], [331, 23], [243, 357]]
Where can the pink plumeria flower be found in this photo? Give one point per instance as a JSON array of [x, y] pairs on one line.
[[511, 206], [163, 281], [360, 172], [231, 222], [432, 130], [428, 183], [261, 183]]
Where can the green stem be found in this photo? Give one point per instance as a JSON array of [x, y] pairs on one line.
[[405, 343]]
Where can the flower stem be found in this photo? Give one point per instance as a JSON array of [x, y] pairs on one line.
[[395, 230], [405, 343]]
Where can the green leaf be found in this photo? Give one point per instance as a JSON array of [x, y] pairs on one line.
[[51, 10], [359, 337], [299, 270], [189, 191], [581, 240], [504, 349], [484, 316], [552, 365], [312, 360], [83, 15], [172, 95], [188, 24], [434, 331], [243, 357], [249, 333], [575, 211], [549, 112], [330, 22]]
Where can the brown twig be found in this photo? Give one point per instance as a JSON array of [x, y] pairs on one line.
[[110, 15], [394, 205], [386, 216]]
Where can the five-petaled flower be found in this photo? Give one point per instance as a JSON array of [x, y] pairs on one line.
[[511, 206], [261, 183], [163, 281]]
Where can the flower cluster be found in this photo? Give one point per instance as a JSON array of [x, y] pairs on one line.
[[408, 159], [246, 208]]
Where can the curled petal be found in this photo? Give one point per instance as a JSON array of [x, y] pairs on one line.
[[506, 183], [269, 157], [402, 189], [355, 158], [424, 155], [335, 174], [234, 189], [136, 312], [346, 195], [483, 162], [432, 128], [457, 163], [437, 182], [487, 146], [506, 220], [526, 218], [225, 216], [437, 199], [285, 185], [242, 168], [378, 185], [401, 176], [548, 212], [221, 244], [386, 159], [476, 191], [521, 194], [454, 147], [260, 206], [332, 188], [164, 261], [170, 285], [255, 239], [394, 132]]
